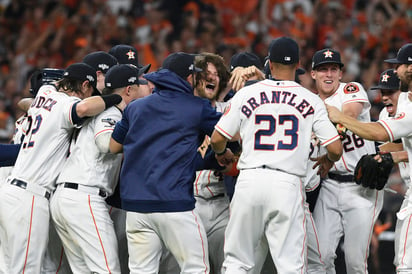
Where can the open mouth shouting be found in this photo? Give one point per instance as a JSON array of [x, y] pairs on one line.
[[210, 87], [389, 108]]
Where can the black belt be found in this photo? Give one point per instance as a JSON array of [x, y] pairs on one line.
[[23, 185], [221, 195], [76, 186], [341, 178]]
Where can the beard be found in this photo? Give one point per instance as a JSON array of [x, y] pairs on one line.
[[207, 94], [406, 81]]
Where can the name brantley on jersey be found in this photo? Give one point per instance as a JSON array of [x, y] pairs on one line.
[[278, 97]]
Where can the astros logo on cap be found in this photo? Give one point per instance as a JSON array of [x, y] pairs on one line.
[[328, 54], [385, 77], [130, 54]]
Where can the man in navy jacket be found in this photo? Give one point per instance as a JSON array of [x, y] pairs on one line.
[[159, 135]]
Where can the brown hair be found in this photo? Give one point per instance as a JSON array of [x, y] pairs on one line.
[[69, 85], [218, 62]]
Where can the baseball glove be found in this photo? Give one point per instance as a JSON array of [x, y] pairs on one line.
[[371, 173]]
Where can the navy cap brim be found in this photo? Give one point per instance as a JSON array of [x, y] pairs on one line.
[[328, 62], [145, 68], [140, 72], [384, 88], [143, 81], [393, 61]]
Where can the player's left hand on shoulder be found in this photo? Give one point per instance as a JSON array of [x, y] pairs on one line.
[[333, 113]]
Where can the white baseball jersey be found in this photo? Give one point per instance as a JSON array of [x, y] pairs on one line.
[[354, 147], [88, 166], [45, 145], [281, 116], [25, 207], [209, 183], [341, 202], [403, 166], [399, 127], [94, 170]]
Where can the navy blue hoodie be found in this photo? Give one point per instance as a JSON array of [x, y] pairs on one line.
[[160, 136]]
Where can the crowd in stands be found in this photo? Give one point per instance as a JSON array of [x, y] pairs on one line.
[[52, 33], [56, 33]]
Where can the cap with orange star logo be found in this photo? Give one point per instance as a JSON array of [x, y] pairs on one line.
[[326, 56], [388, 80]]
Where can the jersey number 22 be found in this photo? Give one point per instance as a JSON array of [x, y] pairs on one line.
[[33, 126]]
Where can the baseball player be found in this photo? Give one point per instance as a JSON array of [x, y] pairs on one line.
[[160, 137], [390, 129], [212, 200], [88, 176], [125, 54], [40, 77], [403, 235], [394, 100], [311, 183], [344, 208], [55, 259], [24, 203], [212, 203], [275, 120], [101, 61]]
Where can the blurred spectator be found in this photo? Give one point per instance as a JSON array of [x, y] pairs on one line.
[[6, 122], [53, 33]]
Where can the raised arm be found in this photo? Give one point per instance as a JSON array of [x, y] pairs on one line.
[[371, 131], [92, 106]]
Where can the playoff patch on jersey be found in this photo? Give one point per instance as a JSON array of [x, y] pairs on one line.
[[227, 109], [351, 88], [399, 116], [109, 121]]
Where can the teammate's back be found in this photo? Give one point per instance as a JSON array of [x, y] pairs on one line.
[[275, 119], [46, 143], [280, 114]]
